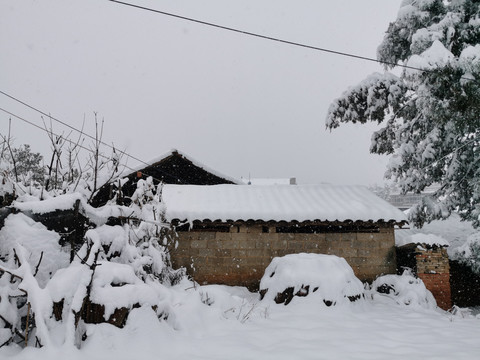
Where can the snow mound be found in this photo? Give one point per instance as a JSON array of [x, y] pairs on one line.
[[429, 240], [64, 202], [327, 278], [404, 290], [43, 245]]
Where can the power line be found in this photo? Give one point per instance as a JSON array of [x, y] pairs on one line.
[[271, 38], [248, 33], [51, 132], [77, 130], [68, 126], [82, 133], [80, 145]]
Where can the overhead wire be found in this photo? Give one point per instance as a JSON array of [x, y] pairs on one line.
[[276, 39], [80, 132], [279, 40], [124, 153], [70, 126], [49, 132], [80, 145], [210, 24]]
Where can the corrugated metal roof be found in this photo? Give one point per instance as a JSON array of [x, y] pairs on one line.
[[277, 203]]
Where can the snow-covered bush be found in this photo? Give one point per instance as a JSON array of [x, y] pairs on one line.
[[405, 290], [469, 253], [114, 272], [45, 255], [118, 275], [47, 297], [327, 278]]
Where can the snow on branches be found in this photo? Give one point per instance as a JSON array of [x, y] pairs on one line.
[[430, 114], [47, 296]]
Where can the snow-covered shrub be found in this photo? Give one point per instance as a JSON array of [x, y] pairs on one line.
[[459, 312], [147, 205], [116, 269], [117, 277], [405, 290], [29, 255], [130, 246], [469, 253], [114, 272], [45, 255], [327, 278]]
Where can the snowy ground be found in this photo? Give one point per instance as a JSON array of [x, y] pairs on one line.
[[236, 325]]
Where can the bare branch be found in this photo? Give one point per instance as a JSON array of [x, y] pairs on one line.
[[11, 273], [17, 259], [38, 265], [11, 151], [27, 323]]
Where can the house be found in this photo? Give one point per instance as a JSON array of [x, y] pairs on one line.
[[408, 200], [228, 234], [269, 181], [173, 167]]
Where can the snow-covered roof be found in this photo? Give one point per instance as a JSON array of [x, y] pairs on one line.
[[454, 229], [277, 203], [422, 239], [160, 158], [64, 202], [269, 181]]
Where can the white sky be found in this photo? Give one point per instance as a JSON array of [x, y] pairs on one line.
[[241, 105]]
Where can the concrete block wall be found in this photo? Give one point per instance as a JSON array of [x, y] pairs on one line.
[[239, 257], [434, 269]]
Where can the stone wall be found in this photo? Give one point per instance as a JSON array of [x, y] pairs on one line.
[[240, 256]]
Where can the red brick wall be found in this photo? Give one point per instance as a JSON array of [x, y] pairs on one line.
[[434, 270]]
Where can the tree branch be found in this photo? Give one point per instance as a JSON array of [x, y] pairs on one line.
[[38, 265]]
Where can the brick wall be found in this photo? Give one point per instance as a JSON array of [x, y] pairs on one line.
[[239, 257], [433, 268]]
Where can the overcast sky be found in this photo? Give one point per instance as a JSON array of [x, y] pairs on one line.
[[238, 104]]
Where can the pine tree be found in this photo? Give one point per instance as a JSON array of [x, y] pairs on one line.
[[430, 118]]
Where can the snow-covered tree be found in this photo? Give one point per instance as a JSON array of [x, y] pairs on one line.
[[29, 165], [21, 170], [384, 191], [430, 112], [469, 253]]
